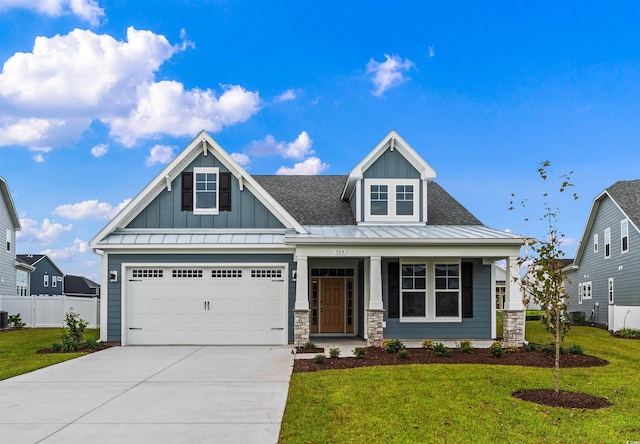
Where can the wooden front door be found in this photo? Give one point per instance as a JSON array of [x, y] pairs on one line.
[[332, 305]]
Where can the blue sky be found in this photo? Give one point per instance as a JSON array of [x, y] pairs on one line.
[[96, 96]]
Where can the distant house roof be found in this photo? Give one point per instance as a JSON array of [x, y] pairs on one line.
[[316, 200], [13, 214], [33, 259], [626, 193], [80, 285]]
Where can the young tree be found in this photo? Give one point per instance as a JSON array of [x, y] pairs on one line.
[[545, 278]]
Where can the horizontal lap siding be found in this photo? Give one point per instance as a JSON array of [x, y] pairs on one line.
[[114, 326], [478, 327], [7, 258]]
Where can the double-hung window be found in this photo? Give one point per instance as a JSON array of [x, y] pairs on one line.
[[46, 280], [414, 290], [607, 243], [205, 195], [9, 238], [624, 236], [390, 200], [595, 243], [447, 286], [430, 291]]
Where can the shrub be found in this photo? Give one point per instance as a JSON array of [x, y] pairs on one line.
[[428, 344], [404, 354], [309, 344], [16, 321], [392, 345], [511, 349], [496, 349], [575, 349], [92, 344], [319, 358], [629, 333], [360, 352], [334, 352], [441, 350], [72, 339], [531, 347], [69, 345], [56, 347], [465, 346]]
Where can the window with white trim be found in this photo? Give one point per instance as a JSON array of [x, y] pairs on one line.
[[607, 243], [54, 281], [624, 236], [414, 290], [205, 190], [9, 238], [430, 291], [447, 290], [22, 282], [584, 291], [46, 280], [595, 243], [610, 290], [392, 200]]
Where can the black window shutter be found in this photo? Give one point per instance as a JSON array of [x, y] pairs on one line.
[[393, 274], [225, 191], [467, 290], [187, 191]]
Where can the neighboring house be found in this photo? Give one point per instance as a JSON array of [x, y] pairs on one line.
[[529, 299], [9, 224], [23, 277], [208, 254], [80, 286], [605, 275], [46, 278]]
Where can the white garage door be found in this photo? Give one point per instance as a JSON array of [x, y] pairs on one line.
[[206, 305]]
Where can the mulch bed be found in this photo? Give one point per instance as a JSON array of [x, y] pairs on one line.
[[315, 350], [376, 356], [85, 349]]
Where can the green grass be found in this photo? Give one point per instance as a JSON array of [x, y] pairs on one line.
[[468, 403], [18, 349]]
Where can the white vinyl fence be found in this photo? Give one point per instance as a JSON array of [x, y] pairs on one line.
[[49, 311], [623, 317]]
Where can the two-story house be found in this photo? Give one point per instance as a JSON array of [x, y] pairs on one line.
[[45, 278], [208, 254], [9, 224], [605, 275]]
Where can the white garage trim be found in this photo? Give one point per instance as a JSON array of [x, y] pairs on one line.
[[126, 298]]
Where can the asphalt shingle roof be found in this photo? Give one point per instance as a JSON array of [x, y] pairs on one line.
[[315, 200], [29, 258], [627, 194]]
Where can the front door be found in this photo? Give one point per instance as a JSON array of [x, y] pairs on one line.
[[332, 306]]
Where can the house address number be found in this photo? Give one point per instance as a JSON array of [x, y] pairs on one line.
[[341, 252]]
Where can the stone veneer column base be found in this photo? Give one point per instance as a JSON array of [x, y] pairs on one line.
[[300, 327], [513, 328], [374, 327]]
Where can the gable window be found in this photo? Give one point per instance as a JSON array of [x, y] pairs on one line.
[[624, 236], [595, 243], [9, 236], [610, 290], [205, 199], [391, 200], [54, 282], [607, 243], [46, 280]]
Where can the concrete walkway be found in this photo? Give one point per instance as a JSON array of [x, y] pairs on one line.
[[157, 394]]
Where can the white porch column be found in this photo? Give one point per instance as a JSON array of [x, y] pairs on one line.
[[302, 284], [375, 283], [514, 311]]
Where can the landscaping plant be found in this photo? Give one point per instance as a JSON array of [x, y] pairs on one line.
[[334, 352], [16, 321], [72, 338]]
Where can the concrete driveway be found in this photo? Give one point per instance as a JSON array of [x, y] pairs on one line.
[[186, 394]]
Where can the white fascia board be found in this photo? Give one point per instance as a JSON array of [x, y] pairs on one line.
[[191, 249]]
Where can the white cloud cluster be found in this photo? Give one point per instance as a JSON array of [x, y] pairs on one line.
[[48, 231], [241, 158], [100, 150], [50, 96], [298, 149], [159, 154], [90, 209], [286, 96], [389, 73], [87, 10], [311, 166], [67, 254]]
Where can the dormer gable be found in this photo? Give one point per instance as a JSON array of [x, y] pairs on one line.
[[390, 184]]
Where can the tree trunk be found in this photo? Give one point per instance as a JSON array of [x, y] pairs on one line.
[[557, 388]]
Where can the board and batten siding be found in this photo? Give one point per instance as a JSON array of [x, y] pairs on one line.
[[165, 210], [7, 258], [115, 261], [478, 327], [594, 268]]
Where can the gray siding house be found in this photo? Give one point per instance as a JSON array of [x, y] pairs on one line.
[[9, 224], [45, 277], [605, 275], [208, 254]]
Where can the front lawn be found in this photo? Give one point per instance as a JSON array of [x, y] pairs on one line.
[[18, 349], [468, 403]]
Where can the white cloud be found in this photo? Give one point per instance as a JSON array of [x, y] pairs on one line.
[[39, 158], [100, 150], [431, 51], [165, 107], [298, 149], [67, 254], [388, 73], [286, 96], [90, 209], [311, 166], [87, 10], [241, 158], [48, 231], [159, 154]]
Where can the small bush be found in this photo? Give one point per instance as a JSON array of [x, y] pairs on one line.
[[392, 345], [319, 358], [69, 345], [550, 349], [575, 349], [404, 354], [56, 347], [92, 344], [531, 347], [441, 350], [465, 346], [334, 352], [359, 352], [309, 344], [16, 321], [496, 349], [428, 344], [629, 333]]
